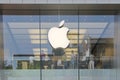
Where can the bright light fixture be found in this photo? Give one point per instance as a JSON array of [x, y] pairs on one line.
[[34, 31], [38, 37], [34, 36], [71, 49], [35, 41], [37, 31], [38, 49], [38, 41]]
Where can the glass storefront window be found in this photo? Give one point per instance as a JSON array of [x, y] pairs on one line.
[[26, 40], [28, 49]]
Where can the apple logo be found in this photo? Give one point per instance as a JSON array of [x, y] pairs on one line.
[[57, 36]]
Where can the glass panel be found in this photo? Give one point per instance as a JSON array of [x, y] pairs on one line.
[[37, 46], [20, 59], [96, 43], [59, 61]]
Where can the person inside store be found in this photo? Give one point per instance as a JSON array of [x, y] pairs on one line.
[[59, 64], [65, 61], [72, 62], [91, 62]]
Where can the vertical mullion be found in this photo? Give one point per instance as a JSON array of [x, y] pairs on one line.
[[40, 45], [78, 60]]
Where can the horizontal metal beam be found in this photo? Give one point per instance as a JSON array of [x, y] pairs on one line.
[[64, 8]]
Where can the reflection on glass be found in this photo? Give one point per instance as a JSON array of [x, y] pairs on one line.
[[26, 44], [21, 41], [60, 58], [97, 45], [29, 55]]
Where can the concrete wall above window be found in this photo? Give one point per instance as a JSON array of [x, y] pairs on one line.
[[59, 1]]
